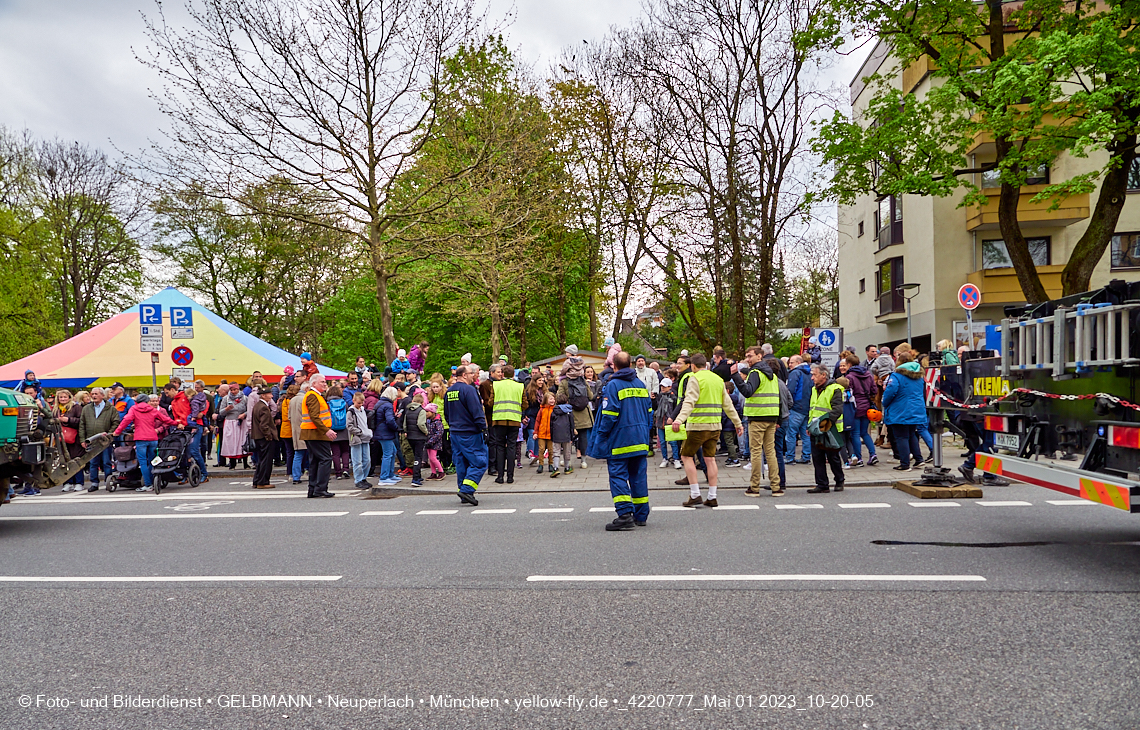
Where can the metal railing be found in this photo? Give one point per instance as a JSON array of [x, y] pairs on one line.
[[1072, 340]]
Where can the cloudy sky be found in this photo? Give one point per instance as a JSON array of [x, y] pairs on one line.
[[68, 69]]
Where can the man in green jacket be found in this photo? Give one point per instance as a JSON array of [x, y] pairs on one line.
[[98, 416]]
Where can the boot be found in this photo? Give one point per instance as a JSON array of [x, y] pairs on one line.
[[623, 522]]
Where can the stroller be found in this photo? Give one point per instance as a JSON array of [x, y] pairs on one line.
[[173, 460], [127, 473]]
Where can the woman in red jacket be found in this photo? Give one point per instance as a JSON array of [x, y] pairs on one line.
[[148, 420]]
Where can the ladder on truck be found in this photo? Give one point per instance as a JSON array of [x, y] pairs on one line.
[[1071, 341]]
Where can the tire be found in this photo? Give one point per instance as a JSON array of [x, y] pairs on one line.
[[112, 483], [195, 476], [159, 483]]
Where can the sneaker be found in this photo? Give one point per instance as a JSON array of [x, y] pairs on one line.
[[145, 489], [66, 488], [568, 470], [94, 487], [710, 503], [417, 483], [677, 464], [856, 462], [438, 476], [990, 480], [900, 467], [846, 465], [732, 463], [540, 468], [449, 470], [752, 492], [819, 490], [554, 473], [664, 463], [778, 492], [583, 463], [623, 522], [693, 502], [873, 461], [748, 466], [387, 482]]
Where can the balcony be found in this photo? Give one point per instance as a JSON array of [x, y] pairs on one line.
[[913, 74], [1031, 214], [1000, 286]]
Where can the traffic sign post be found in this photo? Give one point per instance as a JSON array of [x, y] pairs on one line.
[[182, 356], [970, 297]]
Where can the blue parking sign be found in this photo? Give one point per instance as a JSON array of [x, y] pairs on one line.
[[181, 317], [150, 314]]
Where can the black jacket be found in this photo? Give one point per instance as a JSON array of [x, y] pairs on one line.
[[748, 387]]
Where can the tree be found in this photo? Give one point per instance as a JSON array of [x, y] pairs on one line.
[[1039, 78], [335, 95]]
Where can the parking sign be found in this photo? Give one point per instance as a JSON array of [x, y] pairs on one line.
[[150, 314], [181, 317]]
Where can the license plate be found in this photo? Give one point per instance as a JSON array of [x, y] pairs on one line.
[[156, 461], [1009, 441]]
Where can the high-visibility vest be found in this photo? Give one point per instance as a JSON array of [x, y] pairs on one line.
[[710, 403], [326, 414], [821, 403], [508, 401], [766, 400]]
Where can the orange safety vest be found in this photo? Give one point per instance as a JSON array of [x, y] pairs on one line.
[[326, 414]]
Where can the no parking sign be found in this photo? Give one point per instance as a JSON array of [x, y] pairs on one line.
[[182, 355]]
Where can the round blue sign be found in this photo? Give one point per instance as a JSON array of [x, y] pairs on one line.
[[182, 356], [826, 338]]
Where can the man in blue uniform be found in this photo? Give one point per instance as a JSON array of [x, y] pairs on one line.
[[621, 437], [464, 413]]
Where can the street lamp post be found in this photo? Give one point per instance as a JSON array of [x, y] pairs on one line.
[[909, 291]]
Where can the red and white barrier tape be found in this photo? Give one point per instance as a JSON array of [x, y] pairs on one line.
[[940, 397]]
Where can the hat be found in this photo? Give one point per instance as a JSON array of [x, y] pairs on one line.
[[114, 385], [609, 341], [685, 353], [263, 389], [400, 386], [288, 370], [571, 350], [431, 408], [466, 356], [812, 340], [454, 368], [640, 357], [666, 383], [401, 352], [306, 356], [502, 358]]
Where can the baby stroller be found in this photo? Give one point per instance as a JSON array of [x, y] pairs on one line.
[[127, 473], [173, 460]]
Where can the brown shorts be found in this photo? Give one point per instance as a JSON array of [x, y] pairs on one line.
[[696, 440]]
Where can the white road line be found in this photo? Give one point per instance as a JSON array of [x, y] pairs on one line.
[[493, 511], [1070, 502], [195, 516], [437, 511], [671, 508], [285, 494], [550, 510], [1008, 503], [768, 578], [799, 506], [934, 503], [864, 505], [736, 506], [165, 578], [611, 509], [382, 513]]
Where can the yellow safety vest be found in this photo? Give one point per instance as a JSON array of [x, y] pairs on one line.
[[326, 414], [710, 403], [508, 401], [766, 400], [821, 403]]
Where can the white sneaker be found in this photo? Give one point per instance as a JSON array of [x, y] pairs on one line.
[[664, 463], [748, 466], [677, 464], [145, 489], [583, 463], [67, 487]]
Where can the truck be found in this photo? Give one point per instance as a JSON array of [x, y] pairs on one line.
[[32, 447], [1056, 404]]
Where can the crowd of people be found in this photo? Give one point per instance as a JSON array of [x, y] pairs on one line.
[[401, 422]]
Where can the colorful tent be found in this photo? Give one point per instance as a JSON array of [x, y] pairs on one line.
[[110, 352]]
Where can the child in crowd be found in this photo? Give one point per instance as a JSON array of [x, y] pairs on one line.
[[434, 442], [543, 448], [359, 439], [666, 402], [563, 435]]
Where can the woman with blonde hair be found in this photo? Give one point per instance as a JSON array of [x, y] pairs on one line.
[[949, 354], [68, 411]]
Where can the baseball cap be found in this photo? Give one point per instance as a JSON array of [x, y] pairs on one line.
[[666, 383], [118, 385], [454, 368]]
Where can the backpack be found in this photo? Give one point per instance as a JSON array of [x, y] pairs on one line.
[[339, 410], [578, 394]]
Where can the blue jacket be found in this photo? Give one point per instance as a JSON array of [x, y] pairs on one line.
[[799, 377], [904, 401], [403, 366], [464, 410], [385, 429], [624, 418]]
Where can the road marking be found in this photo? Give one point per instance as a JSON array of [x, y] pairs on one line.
[[177, 497], [1070, 502], [382, 513], [437, 511], [165, 578], [611, 509], [935, 503], [199, 516], [765, 578], [864, 505], [669, 508], [1010, 503], [550, 510], [799, 506], [736, 506], [493, 511]]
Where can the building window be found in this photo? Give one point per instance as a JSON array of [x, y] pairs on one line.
[[995, 255], [992, 178], [1126, 251], [862, 285], [888, 221], [1133, 184], [887, 280], [860, 228]]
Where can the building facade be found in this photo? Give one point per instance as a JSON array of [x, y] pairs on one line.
[[887, 241]]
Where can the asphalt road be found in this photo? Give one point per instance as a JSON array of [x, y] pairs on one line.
[[1013, 612]]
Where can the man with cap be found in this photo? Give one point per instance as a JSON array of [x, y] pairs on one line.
[[318, 434], [264, 433], [621, 437], [463, 411]]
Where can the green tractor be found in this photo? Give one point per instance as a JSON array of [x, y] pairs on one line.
[[32, 446]]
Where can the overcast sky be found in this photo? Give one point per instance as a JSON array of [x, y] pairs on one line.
[[67, 68]]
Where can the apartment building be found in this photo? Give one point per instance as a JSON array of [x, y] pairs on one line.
[[886, 242]]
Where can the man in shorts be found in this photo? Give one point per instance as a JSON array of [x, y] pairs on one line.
[[705, 399]]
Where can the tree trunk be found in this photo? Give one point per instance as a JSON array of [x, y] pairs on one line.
[[1102, 226], [385, 313], [1015, 245], [496, 332], [522, 331]]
